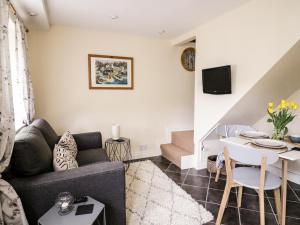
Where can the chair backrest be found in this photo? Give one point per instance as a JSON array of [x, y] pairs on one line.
[[232, 130], [251, 156]]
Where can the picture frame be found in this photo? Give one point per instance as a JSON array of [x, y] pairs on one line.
[[110, 72]]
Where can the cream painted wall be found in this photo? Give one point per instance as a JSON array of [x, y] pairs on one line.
[[162, 99], [251, 39], [282, 80]]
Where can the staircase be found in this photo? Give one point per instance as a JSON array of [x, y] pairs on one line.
[[181, 146]]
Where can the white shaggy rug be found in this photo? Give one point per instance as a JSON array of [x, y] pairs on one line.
[[152, 198]]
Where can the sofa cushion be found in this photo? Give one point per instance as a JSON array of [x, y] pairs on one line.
[[31, 154], [91, 156], [47, 131]]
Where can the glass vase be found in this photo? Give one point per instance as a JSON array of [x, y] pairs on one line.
[[278, 134]]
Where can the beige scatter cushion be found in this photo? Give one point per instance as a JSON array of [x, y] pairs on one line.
[[63, 159], [67, 141]]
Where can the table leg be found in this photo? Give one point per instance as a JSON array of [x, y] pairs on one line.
[[104, 217], [284, 190]]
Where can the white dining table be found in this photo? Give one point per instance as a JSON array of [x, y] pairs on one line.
[[288, 155]]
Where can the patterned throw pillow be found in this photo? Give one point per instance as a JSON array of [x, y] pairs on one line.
[[67, 141], [63, 159]]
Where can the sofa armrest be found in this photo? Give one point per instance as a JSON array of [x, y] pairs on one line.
[[88, 140], [104, 182]]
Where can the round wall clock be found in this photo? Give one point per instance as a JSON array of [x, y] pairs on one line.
[[188, 59]]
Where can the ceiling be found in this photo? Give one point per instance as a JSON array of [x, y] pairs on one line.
[[143, 17], [25, 7]]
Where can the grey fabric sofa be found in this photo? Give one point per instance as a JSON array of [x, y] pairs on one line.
[[31, 173]]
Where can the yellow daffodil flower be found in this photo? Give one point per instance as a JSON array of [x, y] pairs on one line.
[[284, 104], [270, 110], [292, 105], [295, 106]]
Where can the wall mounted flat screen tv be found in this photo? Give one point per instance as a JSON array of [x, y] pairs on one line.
[[217, 80]]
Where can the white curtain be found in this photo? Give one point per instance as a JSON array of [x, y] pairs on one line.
[[21, 78], [11, 210]]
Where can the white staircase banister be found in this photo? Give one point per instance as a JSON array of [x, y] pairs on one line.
[[207, 134]]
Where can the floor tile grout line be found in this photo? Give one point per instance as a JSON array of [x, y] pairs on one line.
[[194, 175], [216, 189], [235, 207], [184, 178], [266, 196], [193, 186], [252, 210], [228, 206], [206, 197], [286, 200], [296, 218], [170, 171], [293, 191], [167, 167], [273, 210], [251, 194]]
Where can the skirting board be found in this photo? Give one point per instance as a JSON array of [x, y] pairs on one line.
[[144, 154], [202, 165], [187, 162]]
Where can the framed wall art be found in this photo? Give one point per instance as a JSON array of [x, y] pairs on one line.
[[110, 72]]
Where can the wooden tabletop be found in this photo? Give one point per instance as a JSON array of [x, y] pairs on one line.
[[287, 153]]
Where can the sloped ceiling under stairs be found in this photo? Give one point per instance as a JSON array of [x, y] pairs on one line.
[[282, 80]]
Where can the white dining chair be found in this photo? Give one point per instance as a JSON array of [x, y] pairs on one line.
[[230, 130], [257, 178]]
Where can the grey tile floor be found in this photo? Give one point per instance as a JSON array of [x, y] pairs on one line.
[[201, 186]]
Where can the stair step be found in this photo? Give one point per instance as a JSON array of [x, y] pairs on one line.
[[184, 140], [173, 153]]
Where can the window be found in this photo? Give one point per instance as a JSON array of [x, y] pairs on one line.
[[17, 87]]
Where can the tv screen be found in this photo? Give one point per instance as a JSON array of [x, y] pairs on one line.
[[217, 80]]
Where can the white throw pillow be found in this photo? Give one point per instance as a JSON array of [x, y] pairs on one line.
[[67, 141], [63, 159]]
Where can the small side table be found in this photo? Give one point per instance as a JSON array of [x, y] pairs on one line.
[[52, 217], [118, 150]]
